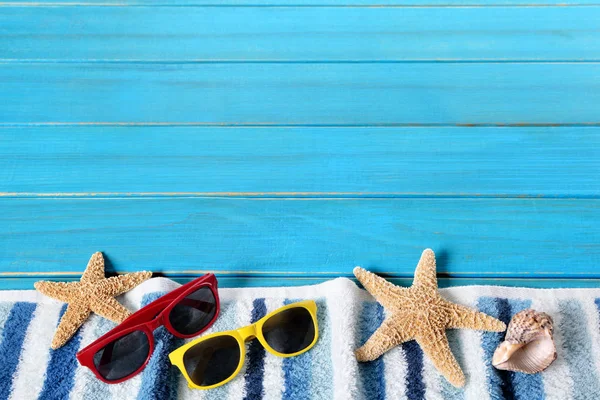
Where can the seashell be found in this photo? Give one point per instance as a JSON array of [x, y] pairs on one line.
[[529, 345]]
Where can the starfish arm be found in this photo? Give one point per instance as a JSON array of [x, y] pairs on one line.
[[425, 274], [392, 332], [384, 292], [120, 284], [110, 308], [76, 314], [434, 344], [94, 270], [462, 317], [62, 291]]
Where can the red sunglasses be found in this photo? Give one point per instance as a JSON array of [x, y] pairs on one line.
[[125, 350]]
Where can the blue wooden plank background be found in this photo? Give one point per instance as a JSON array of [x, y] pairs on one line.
[[278, 93], [300, 161], [314, 236], [277, 143], [278, 34]]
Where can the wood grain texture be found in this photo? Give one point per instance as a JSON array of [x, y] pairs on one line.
[[293, 237], [299, 34], [459, 161], [300, 94]]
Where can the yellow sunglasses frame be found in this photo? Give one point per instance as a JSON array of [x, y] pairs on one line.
[[243, 335]]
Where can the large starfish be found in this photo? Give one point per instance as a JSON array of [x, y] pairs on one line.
[[420, 313], [94, 292]]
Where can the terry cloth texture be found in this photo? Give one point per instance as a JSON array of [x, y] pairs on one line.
[[347, 317]]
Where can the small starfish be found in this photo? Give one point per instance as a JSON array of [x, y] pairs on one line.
[[94, 292], [420, 313]]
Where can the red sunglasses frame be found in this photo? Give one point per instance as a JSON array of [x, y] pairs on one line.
[[147, 319]]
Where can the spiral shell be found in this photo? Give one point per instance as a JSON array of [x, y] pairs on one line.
[[529, 344]]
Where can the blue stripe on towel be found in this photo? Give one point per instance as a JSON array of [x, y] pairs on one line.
[[13, 336], [506, 384], [255, 357], [499, 384], [5, 308], [371, 373], [577, 350], [322, 381], [61, 368], [297, 374], [415, 388], [94, 387], [525, 386], [159, 380], [450, 392]]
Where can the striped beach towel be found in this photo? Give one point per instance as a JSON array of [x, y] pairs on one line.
[[347, 316]]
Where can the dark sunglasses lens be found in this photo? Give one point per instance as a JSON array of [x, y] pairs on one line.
[[212, 361], [290, 331], [122, 357], [194, 312]]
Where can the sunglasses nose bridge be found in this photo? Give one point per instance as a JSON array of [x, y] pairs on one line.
[[156, 322], [248, 332]]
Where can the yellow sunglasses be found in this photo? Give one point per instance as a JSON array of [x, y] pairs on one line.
[[214, 360]]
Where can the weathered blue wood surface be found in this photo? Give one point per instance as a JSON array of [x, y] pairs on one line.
[[278, 143], [300, 161], [299, 34], [314, 236], [301, 94]]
